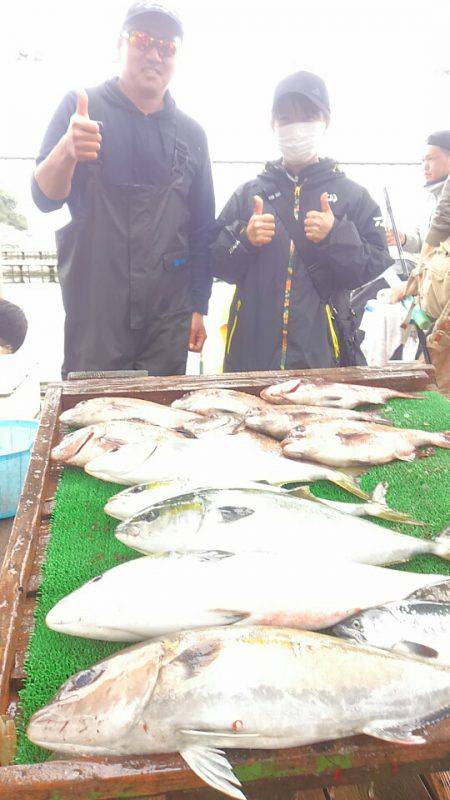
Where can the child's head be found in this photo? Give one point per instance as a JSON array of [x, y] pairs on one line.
[[13, 327]]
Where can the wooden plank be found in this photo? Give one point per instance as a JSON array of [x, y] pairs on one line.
[[22, 543], [35, 578], [439, 785], [18, 673], [406, 787], [405, 377], [349, 761]]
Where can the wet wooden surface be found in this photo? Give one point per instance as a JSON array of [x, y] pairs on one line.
[[340, 770]]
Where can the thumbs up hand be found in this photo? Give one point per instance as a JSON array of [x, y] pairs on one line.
[[318, 224], [83, 134], [261, 227]]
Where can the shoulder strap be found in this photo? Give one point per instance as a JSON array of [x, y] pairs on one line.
[[283, 208]]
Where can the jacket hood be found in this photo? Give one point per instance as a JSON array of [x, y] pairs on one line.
[[312, 175], [115, 96]]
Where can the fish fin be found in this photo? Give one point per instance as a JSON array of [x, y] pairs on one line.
[[199, 656], [415, 649], [380, 511], [400, 734], [226, 616], [348, 483], [427, 451], [441, 545], [380, 492], [405, 457], [212, 766], [233, 513], [212, 555], [353, 436]]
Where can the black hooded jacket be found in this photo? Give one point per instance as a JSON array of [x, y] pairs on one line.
[[268, 297]]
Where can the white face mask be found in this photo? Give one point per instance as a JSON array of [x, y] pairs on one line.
[[299, 142]]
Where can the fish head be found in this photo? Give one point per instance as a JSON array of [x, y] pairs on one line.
[[374, 626], [77, 414], [69, 450], [115, 465], [132, 500], [97, 610], [165, 526], [97, 710]]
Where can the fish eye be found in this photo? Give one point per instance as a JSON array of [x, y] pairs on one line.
[[138, 489], [152, 514], [84, 678], [356, 624]]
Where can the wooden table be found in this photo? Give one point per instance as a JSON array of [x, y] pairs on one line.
[[296, 774]]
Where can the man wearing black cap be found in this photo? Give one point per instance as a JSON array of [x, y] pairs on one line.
[[294, 241], [135, 172], [436, 167]]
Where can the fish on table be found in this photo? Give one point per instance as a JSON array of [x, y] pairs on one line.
[[413, 627], [352, 442], [323, 393], [255, 520], [240, 687], [235, 458], [152, 596], [209, 401], [108, 409], [83, 445], [279, 421], [135, 499]]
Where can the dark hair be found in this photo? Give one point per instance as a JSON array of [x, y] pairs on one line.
[[13, 324], [302, 103]]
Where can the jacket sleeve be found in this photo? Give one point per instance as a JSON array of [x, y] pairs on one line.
[[413, 242], [202, 213], [356, 249], [56, 129], [440, 223], [232, 253]]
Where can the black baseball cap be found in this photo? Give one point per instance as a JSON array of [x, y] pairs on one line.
[[440, 139], [144, 7], [306, 84]]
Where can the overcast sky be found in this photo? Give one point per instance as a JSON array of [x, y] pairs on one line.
[[386, 64], [383, 61]]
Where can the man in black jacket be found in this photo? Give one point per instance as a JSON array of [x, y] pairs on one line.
[[135, 172], [294, 241]]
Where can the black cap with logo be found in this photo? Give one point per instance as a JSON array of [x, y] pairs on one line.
[[144, 7], [306, 84]]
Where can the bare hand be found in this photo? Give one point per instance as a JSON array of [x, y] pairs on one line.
[[83, 134], [397, 293], [197, 334], [391, 240], [261, 227], [318, 224]]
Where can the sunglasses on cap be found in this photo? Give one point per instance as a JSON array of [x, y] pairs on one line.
[[143, 41]]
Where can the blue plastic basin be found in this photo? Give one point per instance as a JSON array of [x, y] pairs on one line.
[[16, 441]]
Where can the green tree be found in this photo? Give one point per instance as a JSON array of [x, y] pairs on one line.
[[8, 213]]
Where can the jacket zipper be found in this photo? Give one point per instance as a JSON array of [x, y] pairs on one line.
[[288, 284]]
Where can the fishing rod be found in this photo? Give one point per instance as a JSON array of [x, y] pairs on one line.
[[418, 317]]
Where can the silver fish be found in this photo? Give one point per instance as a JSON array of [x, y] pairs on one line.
[[249, 520], [237, 459], [207, 401], [321, 393], [213, 588], [238, 687], [107, 409], [352, 442], [416, 628], [279, 424], [81, 446]]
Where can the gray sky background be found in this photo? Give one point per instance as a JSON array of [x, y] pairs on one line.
[[384, 63]]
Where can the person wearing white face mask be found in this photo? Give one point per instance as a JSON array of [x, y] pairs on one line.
[[295, 241]]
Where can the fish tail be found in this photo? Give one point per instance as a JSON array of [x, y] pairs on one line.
[[409, 395], [349, 484], [441, 439], [441, 545]]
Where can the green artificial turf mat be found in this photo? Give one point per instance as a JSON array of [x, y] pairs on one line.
[[82, 545]]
